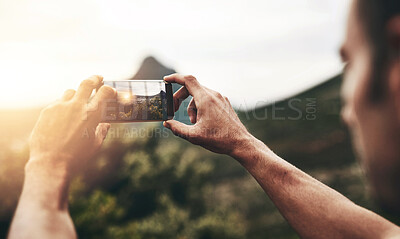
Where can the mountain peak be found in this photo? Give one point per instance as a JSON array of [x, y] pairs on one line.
[[152, 69], [151, 60]]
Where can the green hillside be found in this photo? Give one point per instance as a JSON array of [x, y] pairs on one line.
[[305, 129], [147, 183]]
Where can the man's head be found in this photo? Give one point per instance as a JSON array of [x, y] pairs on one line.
[[371, 90]]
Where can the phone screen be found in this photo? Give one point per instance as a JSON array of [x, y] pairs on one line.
[[139, 100]]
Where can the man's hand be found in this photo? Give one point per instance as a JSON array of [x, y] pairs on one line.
[[69, 131], [67, 134], [313, 209], [216, 125]]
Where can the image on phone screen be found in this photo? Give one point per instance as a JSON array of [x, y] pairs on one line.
[[139, 100]]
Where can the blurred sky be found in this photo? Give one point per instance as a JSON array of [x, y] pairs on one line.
[[253, 51]]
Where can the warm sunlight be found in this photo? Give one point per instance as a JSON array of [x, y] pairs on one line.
[[279, 47], [125, 97], [202, 119]]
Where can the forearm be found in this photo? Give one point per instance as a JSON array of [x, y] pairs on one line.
[[42, 210], [313, 209]]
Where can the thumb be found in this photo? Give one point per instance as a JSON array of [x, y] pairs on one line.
[[180, 129], [101, 133]]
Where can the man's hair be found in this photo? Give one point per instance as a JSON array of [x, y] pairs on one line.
[[375, 14]]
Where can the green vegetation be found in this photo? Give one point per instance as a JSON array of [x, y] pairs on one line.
[[138, 108], [147, 183]]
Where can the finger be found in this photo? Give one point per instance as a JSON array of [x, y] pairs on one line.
[[190, 82], [192, 111], [68, 94], [215, 93], [180, 96], [87, 86], [101, 132], [227, 100], [180, 129], [104, 94]]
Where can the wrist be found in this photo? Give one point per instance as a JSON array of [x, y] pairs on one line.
[[44, 179], [46, 168], [51, 165], [248, 150]]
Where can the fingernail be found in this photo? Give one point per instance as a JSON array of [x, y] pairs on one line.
[[166, 125], [167, 76]]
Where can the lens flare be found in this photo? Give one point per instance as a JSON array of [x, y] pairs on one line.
[[125, 97]]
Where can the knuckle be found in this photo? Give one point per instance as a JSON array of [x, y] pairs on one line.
[[86, 84], [213, 99], [211, 103], [218, 95], [107, 91], [190, 78], [69, 91]]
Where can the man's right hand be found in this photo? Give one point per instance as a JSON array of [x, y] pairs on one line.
[[69, 131], [216, 126]]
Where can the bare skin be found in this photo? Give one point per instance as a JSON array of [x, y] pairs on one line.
[[313, 209], [65, 135], [375, 126], [68, 132]]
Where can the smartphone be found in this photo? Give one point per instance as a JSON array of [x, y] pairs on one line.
[[139, 101]]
